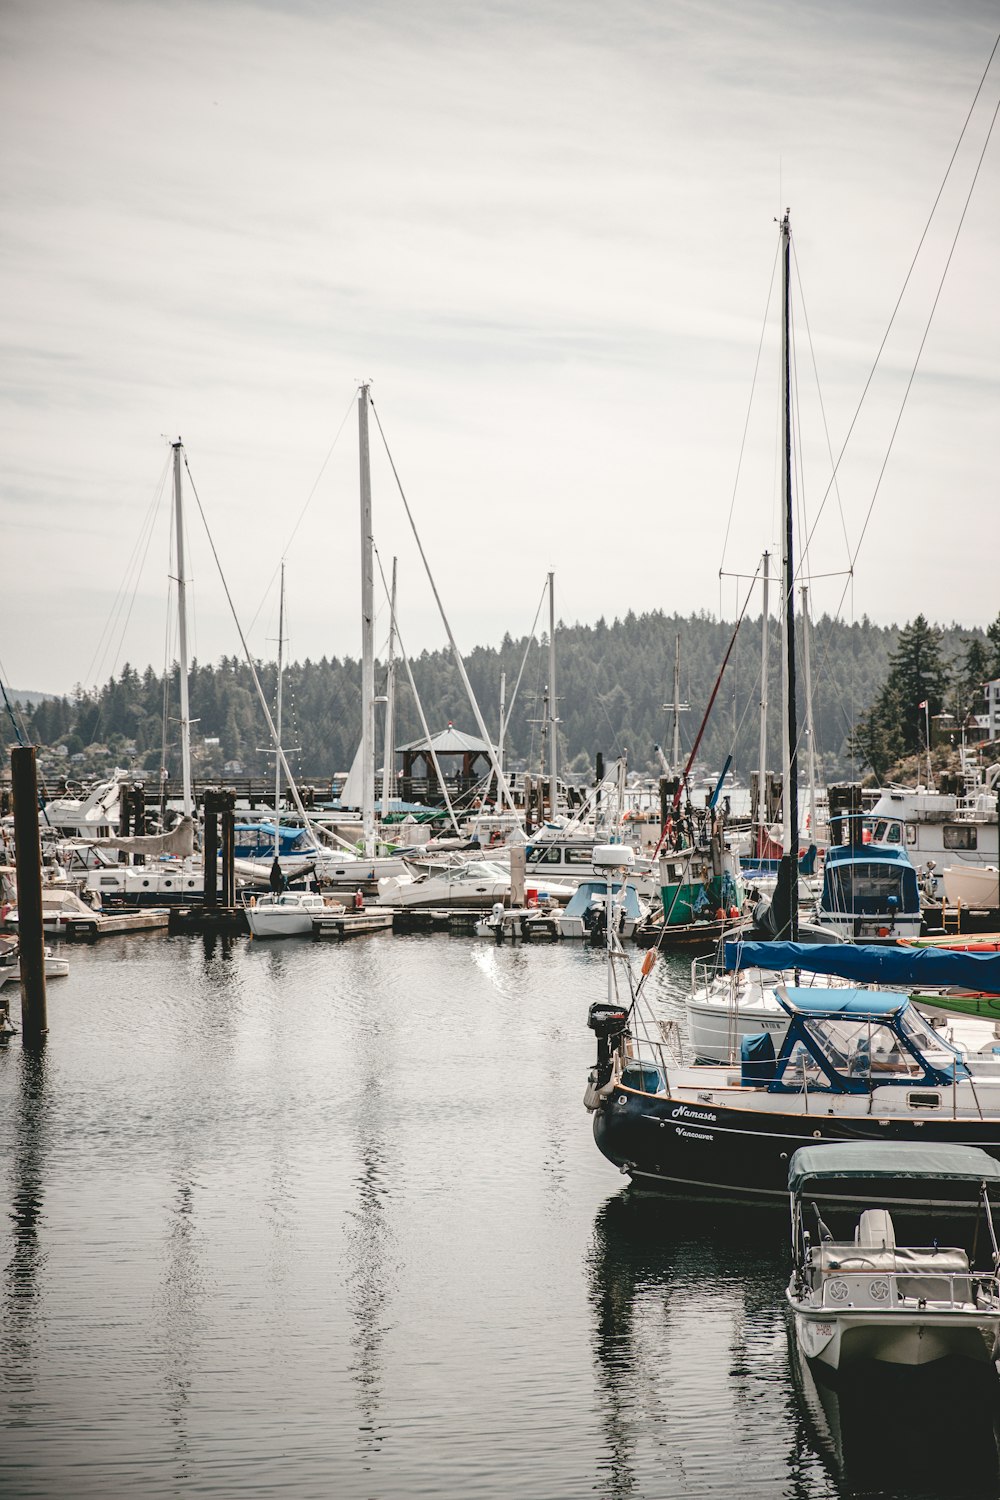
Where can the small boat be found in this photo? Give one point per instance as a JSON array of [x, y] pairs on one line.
[[10, 967], [285, 914], [972, 885], [585, 913], [856, 1293]]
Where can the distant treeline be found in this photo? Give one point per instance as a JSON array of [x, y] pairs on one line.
[[614, 681]]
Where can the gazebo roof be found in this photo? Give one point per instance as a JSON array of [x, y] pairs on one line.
[[448, 741]]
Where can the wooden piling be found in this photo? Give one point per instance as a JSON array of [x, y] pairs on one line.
[[31, 941], [211, 850]]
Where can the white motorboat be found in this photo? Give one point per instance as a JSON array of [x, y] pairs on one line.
[[286, 913], [60, 906], [861, 1295], [476, 883], [10, 966]]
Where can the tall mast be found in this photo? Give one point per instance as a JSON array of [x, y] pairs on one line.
[[388, 749], [675, 755], [503, 727], [553, 716], [182, 634], [277, 716], [367, 636], [765, 642], [810, 731], [790, 782]]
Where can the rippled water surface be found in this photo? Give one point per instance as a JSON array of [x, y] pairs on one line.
[[307, 1220]]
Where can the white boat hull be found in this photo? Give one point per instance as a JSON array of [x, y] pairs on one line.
[[894, 1337], [972, 885]]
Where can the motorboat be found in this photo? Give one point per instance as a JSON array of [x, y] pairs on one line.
[[942, 828], [852, 1063], [60, 907], [855, 1292], [474, 883], [869, 894], [586, 912], [286, 913], [10, 966]]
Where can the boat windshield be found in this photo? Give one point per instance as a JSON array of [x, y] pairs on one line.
[[864, 1049]]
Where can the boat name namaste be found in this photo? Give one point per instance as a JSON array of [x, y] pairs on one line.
[[682, 1112]]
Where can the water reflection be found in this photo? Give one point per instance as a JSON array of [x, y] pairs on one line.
[[370, 1241], [22, 1289], [926, 1432]]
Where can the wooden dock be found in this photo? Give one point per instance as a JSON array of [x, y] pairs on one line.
[[87, 929], [341, 925]]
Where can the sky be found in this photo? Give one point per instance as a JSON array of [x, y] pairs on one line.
[[546, 234]]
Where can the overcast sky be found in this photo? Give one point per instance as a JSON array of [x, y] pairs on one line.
[[545, 232]]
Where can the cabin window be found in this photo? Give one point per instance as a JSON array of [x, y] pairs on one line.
[[109, 880], [546, 856], [959, 836], [923, 1101], [578, 856], [911, 833]]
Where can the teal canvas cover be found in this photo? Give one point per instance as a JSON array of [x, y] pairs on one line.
[[891, 1159]]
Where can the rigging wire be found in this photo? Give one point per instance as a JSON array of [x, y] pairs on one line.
[[308, 500], [746, 424], [906, 281]]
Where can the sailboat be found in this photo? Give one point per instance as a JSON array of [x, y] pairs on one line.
[[850, 1064]]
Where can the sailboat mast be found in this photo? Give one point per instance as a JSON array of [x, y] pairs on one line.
[[182, 635], [790, 784], [503, 727], [553, 716], [277, 715], [367, 636], [765, 642], [388, 749], [810, 734], [675, 751]]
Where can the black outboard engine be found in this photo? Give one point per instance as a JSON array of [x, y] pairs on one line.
[[609, 1023]]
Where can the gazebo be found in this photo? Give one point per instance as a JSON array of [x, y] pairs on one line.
[[419, 777]]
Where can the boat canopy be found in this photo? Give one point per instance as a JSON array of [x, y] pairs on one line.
[[843, 1002], [890, 1159], [587, 890], [870, 963]]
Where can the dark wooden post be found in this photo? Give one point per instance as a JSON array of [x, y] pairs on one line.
[[228, 799], [211, 849], [34, 1015]]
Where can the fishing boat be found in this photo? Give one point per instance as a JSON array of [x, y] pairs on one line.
[[855, 1292], [954, 827]]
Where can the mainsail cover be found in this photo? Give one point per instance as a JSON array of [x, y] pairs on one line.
[[867, 963], [180, 840]]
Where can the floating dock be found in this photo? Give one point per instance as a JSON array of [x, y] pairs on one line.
[[86, 929], [348, 924]]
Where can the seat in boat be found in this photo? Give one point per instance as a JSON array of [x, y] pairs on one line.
[[875, 1229]]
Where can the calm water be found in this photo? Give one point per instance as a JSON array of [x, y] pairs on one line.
[[301, 1220]]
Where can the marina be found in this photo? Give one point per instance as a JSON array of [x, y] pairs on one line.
[[261, 1233], [500, 824]]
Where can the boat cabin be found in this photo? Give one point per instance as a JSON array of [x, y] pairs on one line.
[[848, 1041], [870, 893]]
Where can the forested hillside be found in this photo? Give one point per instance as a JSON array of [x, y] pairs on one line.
[[614, 681]]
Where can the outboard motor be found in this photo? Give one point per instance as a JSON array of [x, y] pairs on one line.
[[609, 1023]]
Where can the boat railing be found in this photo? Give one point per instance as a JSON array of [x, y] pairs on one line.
[[647, 1062], [854, 1277]]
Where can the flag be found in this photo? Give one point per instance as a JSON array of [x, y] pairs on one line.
[[922, 705]]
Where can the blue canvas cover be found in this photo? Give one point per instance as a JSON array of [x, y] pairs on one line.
[[869, 963]]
